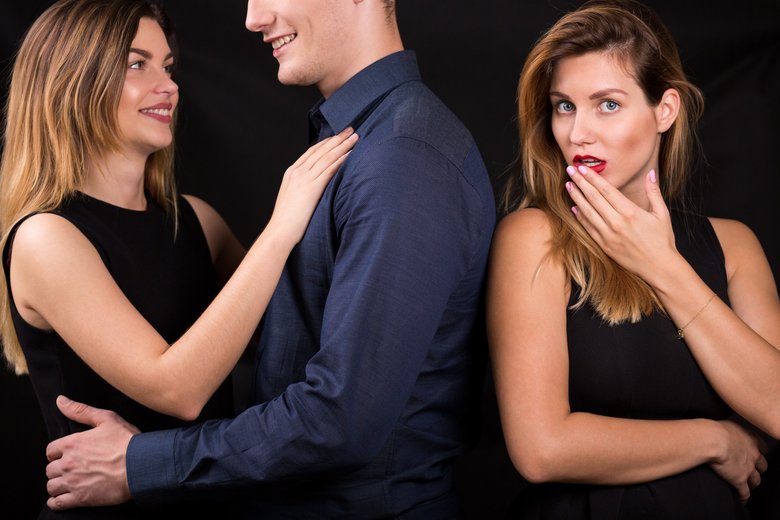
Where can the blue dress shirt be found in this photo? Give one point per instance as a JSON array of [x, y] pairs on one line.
[[372, 350]]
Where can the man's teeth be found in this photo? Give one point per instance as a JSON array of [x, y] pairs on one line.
[[283, 40], [165, 112]]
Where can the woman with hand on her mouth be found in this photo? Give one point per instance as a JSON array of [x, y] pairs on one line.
[[625, 336], [108, 274]]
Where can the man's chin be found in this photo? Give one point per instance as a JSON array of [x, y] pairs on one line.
[[293, 80]]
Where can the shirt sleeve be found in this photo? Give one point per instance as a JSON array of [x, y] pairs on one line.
[[407, 235]]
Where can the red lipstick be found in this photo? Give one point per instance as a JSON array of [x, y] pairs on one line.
[[594, 163]]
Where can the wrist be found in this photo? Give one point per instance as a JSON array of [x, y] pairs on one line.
[[715, 442], [278, 236], [668, 274]]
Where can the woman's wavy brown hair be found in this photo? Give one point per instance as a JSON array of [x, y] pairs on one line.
[[634, 35], [61, 113]]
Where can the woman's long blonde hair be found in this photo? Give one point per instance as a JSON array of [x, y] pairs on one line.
[[636, 36], [61, 113]]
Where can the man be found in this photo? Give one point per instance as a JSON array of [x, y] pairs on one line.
[[371, 350]]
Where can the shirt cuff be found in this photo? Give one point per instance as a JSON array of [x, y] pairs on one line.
[[151, 471]]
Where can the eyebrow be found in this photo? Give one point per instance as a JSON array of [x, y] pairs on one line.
[[147, 54], [595, 95]]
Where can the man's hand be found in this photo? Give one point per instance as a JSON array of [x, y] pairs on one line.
[[88, 468]]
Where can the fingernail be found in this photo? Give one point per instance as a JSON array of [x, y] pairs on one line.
[[63, 399], [583, 170], [652, 176], [574, 210], [570, 170], [569, 186]]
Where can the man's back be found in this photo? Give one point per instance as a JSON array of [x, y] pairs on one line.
[[377, 318], [372, 349]]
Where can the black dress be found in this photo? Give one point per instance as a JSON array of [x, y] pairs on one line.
[[169, 281], [642, 371]]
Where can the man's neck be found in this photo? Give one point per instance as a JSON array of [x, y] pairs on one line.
[[379, 39]]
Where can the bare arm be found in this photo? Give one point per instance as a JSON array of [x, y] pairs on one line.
[[526, 311], [58, 279], [737, 347]]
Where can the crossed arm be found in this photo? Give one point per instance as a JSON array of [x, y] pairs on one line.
[[527, 299], [736, 347]]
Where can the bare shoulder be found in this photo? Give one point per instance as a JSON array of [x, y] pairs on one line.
[[740, 245], [226, 251], [522, 253], [211, 221], [731, 230], [51, 260], [45, 236], [527, 229], [203, 210], [735, 237]]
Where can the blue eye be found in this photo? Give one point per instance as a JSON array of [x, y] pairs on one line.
[[564, 106], [609, 105]]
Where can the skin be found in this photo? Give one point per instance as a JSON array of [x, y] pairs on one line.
[[622, 208], [335, 40], [58, 278], [323, 53], [147, 83], [608, 117]]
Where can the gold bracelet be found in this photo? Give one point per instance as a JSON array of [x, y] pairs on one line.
[[681, 331]]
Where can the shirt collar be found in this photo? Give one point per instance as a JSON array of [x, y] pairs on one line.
[[347, 106]]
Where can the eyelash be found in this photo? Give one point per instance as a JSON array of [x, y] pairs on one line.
[[617, 105], [142, 63], [558, 105]]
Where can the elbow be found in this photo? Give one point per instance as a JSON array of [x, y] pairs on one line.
[[357, 449], [182, 406], [767, 420], [352, 444], [536, 463], [534, 470], [773, 428], [188, 412]]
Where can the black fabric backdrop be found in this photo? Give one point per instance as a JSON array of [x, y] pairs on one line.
[[239, 129]]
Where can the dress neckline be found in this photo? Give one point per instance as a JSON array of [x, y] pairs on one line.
[[114, 207]]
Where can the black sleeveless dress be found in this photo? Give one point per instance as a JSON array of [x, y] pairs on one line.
[[642, 371], [169, 281]]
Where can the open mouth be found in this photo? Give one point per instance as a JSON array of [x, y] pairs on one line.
[[284, 40], [161, 112], [594, 163]]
